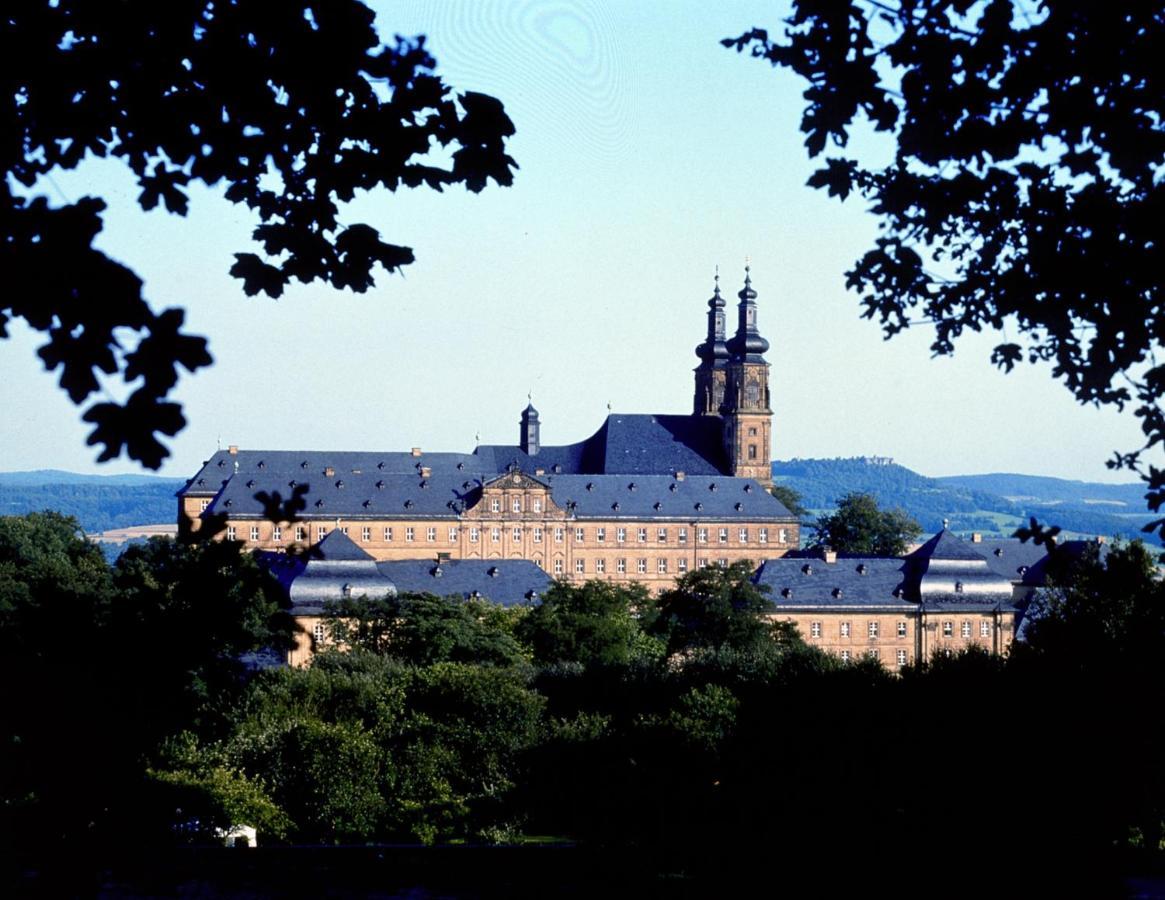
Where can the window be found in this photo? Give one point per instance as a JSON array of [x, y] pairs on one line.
[[702, 535], [580, 534], [452, 533], [752, 432], [343, 529], [321, 531], [558, 567], [495, 505], [845, 656], [517, 534], [230, 532], [388, 533], [409, 534], [762, 535], [966, 629], [537, 503], [872, 629], [661, 566], [299, 535], [558, 533], [743, 535], [641, 566], [723, 535], [948, 629], [537, 535], [600, 534], [495, 535], [277, 533], [815, 629], [203, 505], [984, 629], [620, 534], [431, 534], [580, 566], [902, 629], [600, 566], [621, 566], [474, 535], [517, 505], [722, 562], [318, 632], [752, 451], [872, 653], [782, 535], [642, 535], [702, 562], [682, 566], [255, 537], [901, 658], [366, 533], [682, 537], [843, 629], [661, 535]]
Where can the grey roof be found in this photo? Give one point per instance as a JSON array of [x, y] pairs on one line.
[[859, 582], [948, 570], [623, 445], [337, 568], [446, 491], [508, 582], [661, 496]]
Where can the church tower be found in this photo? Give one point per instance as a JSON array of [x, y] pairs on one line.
[[713, 353], [746, 408]]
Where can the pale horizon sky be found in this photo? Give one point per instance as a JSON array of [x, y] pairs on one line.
[[649, 155]]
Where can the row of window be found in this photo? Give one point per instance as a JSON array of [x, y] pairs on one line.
[[389, 534], [642, 566], [872, 628], [900, 657]]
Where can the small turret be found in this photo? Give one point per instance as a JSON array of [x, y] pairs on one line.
[[529, 438], [714, 356]]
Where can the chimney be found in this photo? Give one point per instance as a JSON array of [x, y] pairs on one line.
[[829, 554], [233, 449], [329, 472], [416, 451], [976, 537], [679, 476], [1100, 539], [426, 471]]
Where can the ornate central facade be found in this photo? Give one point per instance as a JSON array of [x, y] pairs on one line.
[[645, 499]]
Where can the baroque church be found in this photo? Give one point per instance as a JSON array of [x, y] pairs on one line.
[[645, 499]]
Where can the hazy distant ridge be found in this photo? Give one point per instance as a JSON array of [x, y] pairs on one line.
[[994, 504]]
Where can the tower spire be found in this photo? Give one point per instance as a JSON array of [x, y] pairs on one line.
[[714, 356], [747, 344]]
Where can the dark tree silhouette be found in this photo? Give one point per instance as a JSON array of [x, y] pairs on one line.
[[859, 527], [1025, 193], [294, 108]]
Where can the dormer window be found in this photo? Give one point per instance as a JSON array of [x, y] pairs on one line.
[[862, 568], [958, 587], [807, 569]]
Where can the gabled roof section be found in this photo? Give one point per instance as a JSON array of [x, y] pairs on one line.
[[949, 570], [337, 546], [660, 444]]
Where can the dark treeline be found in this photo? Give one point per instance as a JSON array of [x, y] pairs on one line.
[[686, 736]]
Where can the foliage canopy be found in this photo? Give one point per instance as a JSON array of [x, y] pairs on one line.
[[294, 108], [1025, 193], [859, 527]]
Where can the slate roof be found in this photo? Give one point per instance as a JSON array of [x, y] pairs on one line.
[[858, 582], [623, 445], [948, 571], [447, 491], [508, 582], [337, 567], [661, 496]]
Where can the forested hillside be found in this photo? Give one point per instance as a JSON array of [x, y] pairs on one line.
[[97, 506], [1079, 508]]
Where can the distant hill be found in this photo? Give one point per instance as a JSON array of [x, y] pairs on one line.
[[98, 502], [1046, 490], [992, 504]]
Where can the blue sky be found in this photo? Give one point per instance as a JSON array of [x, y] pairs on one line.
[[649, 155]]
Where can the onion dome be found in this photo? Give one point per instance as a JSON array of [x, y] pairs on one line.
[[747, 344], [713, 352]]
